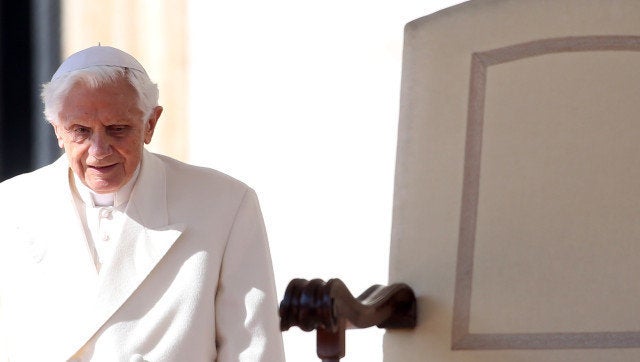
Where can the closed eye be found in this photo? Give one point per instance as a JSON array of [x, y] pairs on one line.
[[79, 130], [117, 129], [80, 133]]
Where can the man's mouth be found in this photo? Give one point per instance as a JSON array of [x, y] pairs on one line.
[[106, 168]]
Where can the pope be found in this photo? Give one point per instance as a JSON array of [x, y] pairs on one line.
[[113, 253]]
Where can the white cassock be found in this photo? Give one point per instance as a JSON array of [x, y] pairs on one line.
[[188, 278]]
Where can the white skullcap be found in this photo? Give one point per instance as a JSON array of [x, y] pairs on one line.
[[97, 55]]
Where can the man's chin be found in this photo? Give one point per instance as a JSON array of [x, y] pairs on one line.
[[103, 186]]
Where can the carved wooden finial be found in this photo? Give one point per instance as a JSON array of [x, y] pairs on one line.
[[329, 308]]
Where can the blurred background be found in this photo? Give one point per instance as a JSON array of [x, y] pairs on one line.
[[298, 99]]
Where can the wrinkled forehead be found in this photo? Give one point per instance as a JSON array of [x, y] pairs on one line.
[[110, 101]]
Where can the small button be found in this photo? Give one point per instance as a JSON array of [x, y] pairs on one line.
[[106, 213], [105, 237]]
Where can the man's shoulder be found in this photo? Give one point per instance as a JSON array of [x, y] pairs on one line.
[[199, 177], [21, 193], [38, 179]]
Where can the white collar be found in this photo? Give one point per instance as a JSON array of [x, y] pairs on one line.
[[116, 199]]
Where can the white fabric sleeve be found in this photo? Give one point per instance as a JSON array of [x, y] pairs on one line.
[[247, 322]]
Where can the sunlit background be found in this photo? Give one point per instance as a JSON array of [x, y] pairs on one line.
[[298, 99]]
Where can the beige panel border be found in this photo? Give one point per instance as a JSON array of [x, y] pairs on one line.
[[461, 338]]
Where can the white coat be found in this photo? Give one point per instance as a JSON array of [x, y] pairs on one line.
[[191, 278]]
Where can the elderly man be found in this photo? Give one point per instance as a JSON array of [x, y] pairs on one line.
[[113, 253]]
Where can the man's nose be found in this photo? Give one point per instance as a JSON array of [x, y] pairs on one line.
[[100, 145]]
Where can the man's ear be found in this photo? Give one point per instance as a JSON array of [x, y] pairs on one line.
[[58, 134], [151, 123]]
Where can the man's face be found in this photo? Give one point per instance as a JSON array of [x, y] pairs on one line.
[[102, 131]]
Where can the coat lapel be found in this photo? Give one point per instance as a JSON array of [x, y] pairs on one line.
[[146, 238], [60, 248], [67, 245]]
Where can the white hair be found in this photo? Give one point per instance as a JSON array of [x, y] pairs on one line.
[[54, 92]]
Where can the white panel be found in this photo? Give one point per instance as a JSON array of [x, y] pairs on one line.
[[557, 229], [515, 207]]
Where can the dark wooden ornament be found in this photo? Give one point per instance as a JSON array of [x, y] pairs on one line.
[[329, 308]]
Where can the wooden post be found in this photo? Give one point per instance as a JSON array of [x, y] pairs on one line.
[[330, 345]]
